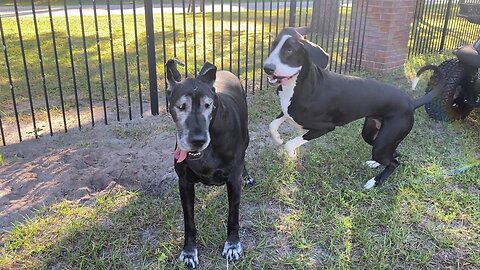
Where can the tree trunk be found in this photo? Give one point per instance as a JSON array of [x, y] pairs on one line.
[[325, 16], [191, 5]]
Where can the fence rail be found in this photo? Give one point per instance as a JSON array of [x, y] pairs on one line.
[[438, 28], [73, 64]]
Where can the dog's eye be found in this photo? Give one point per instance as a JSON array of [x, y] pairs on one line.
[[207, 105], [182, 107]]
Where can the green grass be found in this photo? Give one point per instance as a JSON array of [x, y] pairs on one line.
[[304, 213]]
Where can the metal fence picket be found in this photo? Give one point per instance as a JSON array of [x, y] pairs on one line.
[[235, 35]]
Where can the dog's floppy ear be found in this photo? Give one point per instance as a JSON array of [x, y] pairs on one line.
[[302, 30], [173, 76], [316, 53], [208, 73]]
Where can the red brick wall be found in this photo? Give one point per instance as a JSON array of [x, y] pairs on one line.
[[387, 33]]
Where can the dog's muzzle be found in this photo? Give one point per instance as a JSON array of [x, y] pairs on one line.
[[270, 71], [180, 155], [194, 154], [276, 80]]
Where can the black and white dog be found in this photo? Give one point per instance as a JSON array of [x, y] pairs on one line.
[[318, 100], [210, 113]]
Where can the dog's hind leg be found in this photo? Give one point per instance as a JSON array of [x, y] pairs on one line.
[[248, 180], [383, 153], [379, 179], [370, 130], [389, 137]]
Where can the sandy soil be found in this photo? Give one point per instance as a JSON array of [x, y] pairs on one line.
[[82, 164]]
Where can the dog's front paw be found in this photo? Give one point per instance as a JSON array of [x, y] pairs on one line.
[[248, 180], [372, 164], [370, 183], [276, 138], [232, 252], [274, 133], [190, 258], [290, 148]]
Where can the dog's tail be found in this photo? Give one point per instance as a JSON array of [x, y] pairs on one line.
[[436, 88]]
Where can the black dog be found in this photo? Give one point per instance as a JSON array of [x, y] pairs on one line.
[[210, 113], [318, 100]]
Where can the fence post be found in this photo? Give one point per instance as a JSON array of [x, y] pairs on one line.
[[386, 32], [293, 12], [445, 25], [152, 59]]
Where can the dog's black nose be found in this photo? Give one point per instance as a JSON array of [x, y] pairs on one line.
[[269, 68], [198, 140]]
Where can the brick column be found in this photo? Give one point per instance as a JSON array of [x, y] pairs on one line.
[[387, 32]]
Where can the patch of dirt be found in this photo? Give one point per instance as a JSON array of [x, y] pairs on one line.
[[448, 260], [79, 165], [82, 164]]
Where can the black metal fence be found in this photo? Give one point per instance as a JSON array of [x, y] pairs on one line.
[[71, 64], [437, 27]]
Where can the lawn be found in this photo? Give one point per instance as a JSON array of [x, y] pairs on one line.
[[304, 213]]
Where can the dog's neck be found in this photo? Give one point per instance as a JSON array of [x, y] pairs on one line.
[[216, 107], [309, 69], [290, 84], [304, 78]]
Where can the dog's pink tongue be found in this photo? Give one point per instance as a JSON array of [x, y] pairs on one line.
[[180, 155]]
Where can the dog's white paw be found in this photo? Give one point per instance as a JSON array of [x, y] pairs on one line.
[[248, 180], [290, 147], [277, 140], [232, 252], [293, 144], [276, 137], [370, 183], [372, 164], [273, 128], [190, 258], [290, 151]]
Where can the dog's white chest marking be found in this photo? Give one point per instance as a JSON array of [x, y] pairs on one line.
[[286, 99]]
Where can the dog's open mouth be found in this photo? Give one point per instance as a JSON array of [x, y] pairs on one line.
[[194, 155], [180, 155], [272, 79], [275, 80]]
